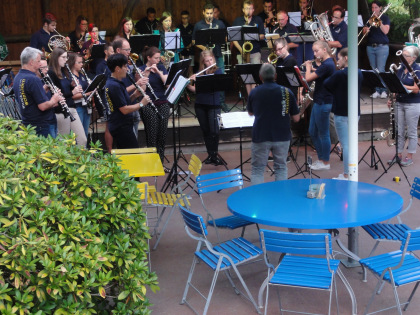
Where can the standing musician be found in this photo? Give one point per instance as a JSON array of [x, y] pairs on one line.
[[33, 103], [268, 15], [147, 24], [273, 106], [154, 125], [77, 37], [209, 22], [186, 29], [126, 28], [284, 28], [285, 58], [75, 63], [337, 85], [319, 122], [40, 39], [208, 109], [377, 47], [62, 80], [121, 104], [407, 107], [255, 55], [338, 29]]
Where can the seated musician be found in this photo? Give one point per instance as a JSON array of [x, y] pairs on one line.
[[126, 28], [77, 37], [338, 29], [284, 29], [147, 24], [94, 40], [268, 15], [40, 39]]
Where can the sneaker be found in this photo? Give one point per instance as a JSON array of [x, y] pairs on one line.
[[207, 160], [314, 164], [270, 158], [393, 160], [406, 162], [384, 95], [375, 95], [341, 177], [320, 166]]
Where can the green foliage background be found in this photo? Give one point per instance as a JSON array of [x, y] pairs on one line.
[[73, 237]]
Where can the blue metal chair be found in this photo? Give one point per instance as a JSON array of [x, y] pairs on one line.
[[396, 268], [392, 232], [215, 182], [296, 268], [224, 257]]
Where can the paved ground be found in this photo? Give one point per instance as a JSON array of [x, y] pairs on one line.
[[172, 260]]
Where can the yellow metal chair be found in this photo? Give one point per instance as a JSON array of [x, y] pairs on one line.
[[133, 151], [179, 195]]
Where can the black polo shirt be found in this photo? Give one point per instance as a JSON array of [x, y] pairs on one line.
[[255, 21], [201, 25]]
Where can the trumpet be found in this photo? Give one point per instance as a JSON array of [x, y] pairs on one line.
[[141, 75], [374, 21]]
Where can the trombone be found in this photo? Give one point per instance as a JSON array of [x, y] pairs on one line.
[[374, 21]]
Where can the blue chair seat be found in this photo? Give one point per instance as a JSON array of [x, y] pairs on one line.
[[385, 231], [407, 273], [229, 222], [238, 249], [305, 272]]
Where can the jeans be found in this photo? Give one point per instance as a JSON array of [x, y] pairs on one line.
[[220, 63], [259, 154], [377, 59], [319, 130], [46, 130], [84, 118], [407, 116]]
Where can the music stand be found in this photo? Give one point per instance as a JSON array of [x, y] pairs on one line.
[[183, 66], [138, 42], [372, 80], [97, 51], [211, 36], [394, 85], [211, 84]]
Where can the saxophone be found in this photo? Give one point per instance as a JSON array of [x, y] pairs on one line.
[[323, 29]]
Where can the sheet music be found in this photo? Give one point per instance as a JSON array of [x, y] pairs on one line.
[[295, 18], [237, 120], [172, 40], [359, 19], [178, 89]]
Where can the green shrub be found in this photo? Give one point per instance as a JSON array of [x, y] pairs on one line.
[[73, 237], [400, 23]]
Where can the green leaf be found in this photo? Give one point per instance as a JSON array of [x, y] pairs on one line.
[[123, 295]]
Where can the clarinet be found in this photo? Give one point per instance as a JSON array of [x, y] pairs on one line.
[[409, 68], [144, 94], [142, 76], [106, 108], [47, 80], [76, 81]]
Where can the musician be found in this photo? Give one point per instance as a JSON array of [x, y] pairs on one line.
[[166, 26], [44, 69], [319, 122], [126, 28], [40, 39], [122, 106], [338, 29], [377, 47], [63, 81], [77, 37], [218, 15], [267, 15], [33, 103], [284, 29], [208, 109], [186, 29], [407, 107], [285, 58], [147, 24], [307, 11], [272, 105], [75, 63], [101, 66], [95, 39], [155, 126], [337, 85], [209, 22], [255, 55]]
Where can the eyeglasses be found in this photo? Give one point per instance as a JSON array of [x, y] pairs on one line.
[[336, 17], [126, 49], [278, 49]]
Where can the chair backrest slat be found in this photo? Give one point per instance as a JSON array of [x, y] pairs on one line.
[[194, 221], [414, 242], [218, 181], [219, 186], [133, 151], [194, 166], [210, 176], [415, 188], [295, 243]]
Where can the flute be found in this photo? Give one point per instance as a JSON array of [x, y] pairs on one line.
[[142, 76], [409, 68], [47, 80], [108, 111], [76, 81], [200, 72], [144, 94]]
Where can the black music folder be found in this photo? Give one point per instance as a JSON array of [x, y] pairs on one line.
[[138, 42], [95, 83], [98, 51]]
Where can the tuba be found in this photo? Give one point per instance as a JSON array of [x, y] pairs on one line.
[[412, 37], [323, 30]]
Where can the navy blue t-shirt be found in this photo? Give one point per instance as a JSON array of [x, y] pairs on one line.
[[83, 82], [339, 33], [286, 30], [255, 21], [216, 24], [156, 83], [325, 70], [337, 85], [376, 36], [101, 67], [209, 98], [29, 93], [117, 97], [407, 79], [272, 106], [40, 40], [65, 86]]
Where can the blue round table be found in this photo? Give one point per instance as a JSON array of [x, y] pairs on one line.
[[346, 204]]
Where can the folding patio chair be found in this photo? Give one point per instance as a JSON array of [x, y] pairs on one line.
[[397, 268], [224, 257], [215, 182], [296, 268]]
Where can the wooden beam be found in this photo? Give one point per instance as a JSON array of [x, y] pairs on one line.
[[45, 6]]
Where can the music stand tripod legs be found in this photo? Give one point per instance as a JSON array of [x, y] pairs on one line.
[[305, 166]]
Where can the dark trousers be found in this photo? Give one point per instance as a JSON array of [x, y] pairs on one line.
[[124, 137], [208, 118]]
